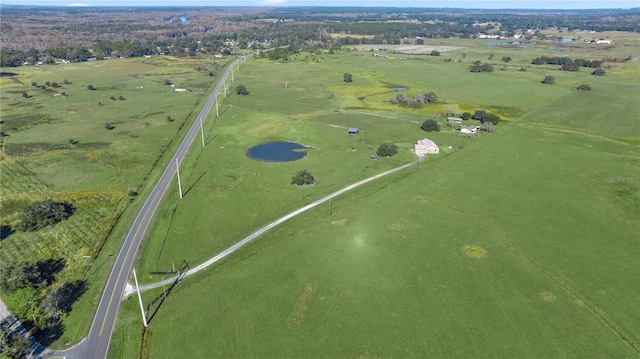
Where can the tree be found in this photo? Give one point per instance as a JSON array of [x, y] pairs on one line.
[[584, 87], [25, 305], [466, 116], [109, 126], [435, 53], [34, 84], [241, 90], [431, 97], [42, 214], [387, 149], [487, 126], [347, 77], [303, 178], [25, 95], [166, 82], [491, 118], [599, 72], [15, 346], [479, 115], [430, 125], [506, 59], [549, 80], [91, 87]]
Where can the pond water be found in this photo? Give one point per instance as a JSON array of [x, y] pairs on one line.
[[502, 43], [7, 74], [277, 152], [560, 40], [400, 88], [559, 48]]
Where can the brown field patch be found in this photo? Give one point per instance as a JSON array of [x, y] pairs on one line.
[[547, 296]]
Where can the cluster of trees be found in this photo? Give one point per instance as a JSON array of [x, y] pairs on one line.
[[549, 80], [347, 77], [35, 298], [39, 215], [480, 67], [419, 99], [566, 63], [484, 116], [303, 178], [13, 346]]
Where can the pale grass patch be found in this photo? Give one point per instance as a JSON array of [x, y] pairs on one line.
[[474, 251], [547, 296], [304, 302]]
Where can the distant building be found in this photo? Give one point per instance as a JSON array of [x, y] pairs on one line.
[[179, 90], [469, 129], [424, 147], [353, 130], [454, 119]]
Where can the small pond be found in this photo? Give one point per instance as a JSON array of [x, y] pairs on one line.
[[277, 152], [400, 88], [7, 74], [502, 43]]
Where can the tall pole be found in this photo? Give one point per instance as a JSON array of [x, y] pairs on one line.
[[179, 184], [201, 131], [144, 318]]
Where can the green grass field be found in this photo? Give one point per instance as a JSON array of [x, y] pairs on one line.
[[58, 147], [520, 243]]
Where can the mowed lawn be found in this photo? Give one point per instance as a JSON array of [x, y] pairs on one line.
[[521, 243]]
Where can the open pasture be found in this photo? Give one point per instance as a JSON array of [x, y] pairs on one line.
[[519, 243], [91, 149]]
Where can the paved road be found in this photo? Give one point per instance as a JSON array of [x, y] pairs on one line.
[[96, 345]]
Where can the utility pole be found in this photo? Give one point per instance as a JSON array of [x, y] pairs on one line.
[[178, 171], [144, 318]]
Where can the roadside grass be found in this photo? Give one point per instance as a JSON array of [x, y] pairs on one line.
[[392, 269], [59, 148]]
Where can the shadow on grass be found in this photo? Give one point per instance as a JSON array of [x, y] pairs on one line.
[[194, 183], [6, 232]]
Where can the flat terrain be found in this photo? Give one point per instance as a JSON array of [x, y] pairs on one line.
[[519, 243]]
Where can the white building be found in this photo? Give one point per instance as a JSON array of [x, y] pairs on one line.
[[424, 147]]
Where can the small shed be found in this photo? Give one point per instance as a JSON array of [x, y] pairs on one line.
[[353, 130], [454, 120]]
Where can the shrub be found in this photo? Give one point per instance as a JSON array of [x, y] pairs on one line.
[[491, 118], [347, 77], [241, 90], [109, 126], [303, 178], [599, 72], [430, 125], [34, 84], [584, 87], [91, 87], [549, 80], [387, 149], [435, 53], [42, 214], [466, 116]]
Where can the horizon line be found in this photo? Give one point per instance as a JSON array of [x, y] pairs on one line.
[[81, 5]]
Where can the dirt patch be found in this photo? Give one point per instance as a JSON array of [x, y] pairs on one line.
[[474, 251], [407, 49], [304, 302], [398, 226], [368, 355]]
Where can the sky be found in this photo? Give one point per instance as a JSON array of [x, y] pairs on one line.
[[473, 4]]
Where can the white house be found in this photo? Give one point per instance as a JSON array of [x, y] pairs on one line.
[[469, 129], [424, 147]]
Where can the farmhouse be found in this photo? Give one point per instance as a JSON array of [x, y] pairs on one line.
[[424, 147], [469, 129]]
